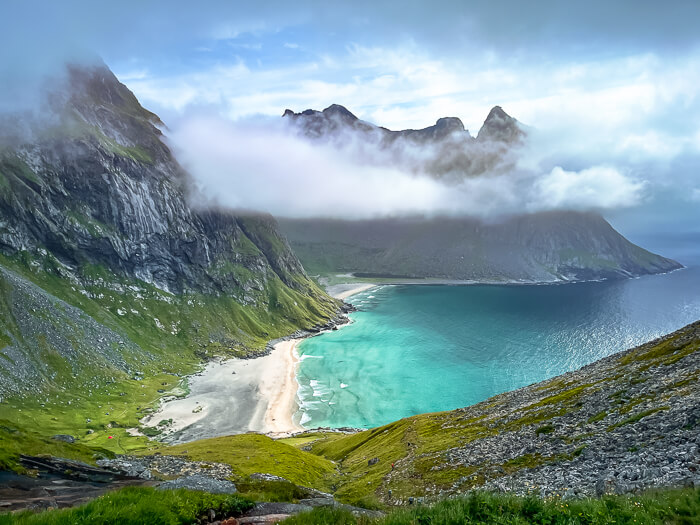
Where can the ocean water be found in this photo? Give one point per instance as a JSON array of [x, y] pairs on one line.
[[416, 349]]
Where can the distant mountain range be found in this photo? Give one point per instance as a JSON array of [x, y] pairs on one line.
[[538, 247]]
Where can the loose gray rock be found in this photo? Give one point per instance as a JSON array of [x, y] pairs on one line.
[[64, 437], [200, 482]]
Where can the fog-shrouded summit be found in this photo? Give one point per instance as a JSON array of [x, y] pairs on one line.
[[445, 151], [331, 163], [105, 265], [500, 126]]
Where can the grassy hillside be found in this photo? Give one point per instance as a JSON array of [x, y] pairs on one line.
[[90, 354]]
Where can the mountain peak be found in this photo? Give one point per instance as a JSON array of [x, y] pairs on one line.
[[449, 124], [497, 113], [499, 126], [341, 111]]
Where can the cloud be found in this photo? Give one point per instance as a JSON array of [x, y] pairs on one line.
[[604, 84], [598, 187], [263, 164]]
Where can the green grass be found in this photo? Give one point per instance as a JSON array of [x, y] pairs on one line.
[[414, 445], [679, 507], [598, 417], [143, 505], [254, 453], [667, 352], [636, 417], [565, 396], [262, 490], [15, 440], [545, 429]]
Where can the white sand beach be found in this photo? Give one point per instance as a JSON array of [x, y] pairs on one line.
[[279, 387], [236, 396], [345, 290]]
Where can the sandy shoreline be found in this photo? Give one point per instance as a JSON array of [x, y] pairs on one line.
[[241, 395], [280, 391], [343, 291], [234, 397]]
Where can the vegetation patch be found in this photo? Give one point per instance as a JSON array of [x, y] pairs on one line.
[[636, 417], [138, 505], [598, 417], [667, 352], [15, 440], [664, 506], [545, 429], [562, 397], [254, 453]]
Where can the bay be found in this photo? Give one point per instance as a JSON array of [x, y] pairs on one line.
[[421, 348]]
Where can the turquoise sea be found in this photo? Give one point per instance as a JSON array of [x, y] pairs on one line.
[[416, 349]]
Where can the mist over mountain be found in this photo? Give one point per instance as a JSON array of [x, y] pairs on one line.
[[559, 238], [331, 164]]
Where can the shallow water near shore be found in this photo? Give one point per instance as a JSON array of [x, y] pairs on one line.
[[416, 349]]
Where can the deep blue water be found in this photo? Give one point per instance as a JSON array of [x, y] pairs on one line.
[[416, 349]]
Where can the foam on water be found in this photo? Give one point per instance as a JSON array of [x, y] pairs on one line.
[[416, 349]]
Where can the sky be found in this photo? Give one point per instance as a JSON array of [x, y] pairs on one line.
[[607, 86]]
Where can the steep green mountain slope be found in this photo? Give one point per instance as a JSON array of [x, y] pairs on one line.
[[112, 284], [536, 247]]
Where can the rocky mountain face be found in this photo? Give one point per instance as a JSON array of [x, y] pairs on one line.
[[537, 247], [94, 207], [102, 188]]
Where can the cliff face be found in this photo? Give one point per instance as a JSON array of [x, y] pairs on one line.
[[95, 212], [100, 187], [538, 247]]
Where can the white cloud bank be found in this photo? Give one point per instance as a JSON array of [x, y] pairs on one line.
[[599, 187], [261, 164]]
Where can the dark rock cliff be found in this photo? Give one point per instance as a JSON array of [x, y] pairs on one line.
[[100, 187]]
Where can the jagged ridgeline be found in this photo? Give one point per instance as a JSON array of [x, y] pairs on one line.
[[537, 247], [106, 271]]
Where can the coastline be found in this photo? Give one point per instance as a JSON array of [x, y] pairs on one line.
[[280, 392], [245, 395], [240, 395], [234, 397], [345, 290]]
